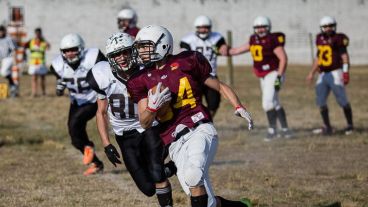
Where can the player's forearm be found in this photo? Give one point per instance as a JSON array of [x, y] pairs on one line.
[[239, 50], [229, 94], [102, 126], [282, 66], [146, 118], [314, 67]]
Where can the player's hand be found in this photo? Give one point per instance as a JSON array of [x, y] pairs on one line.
[[112, 154], [278, 83], [309, 78], [60, 87], [346, 78], [159, 98], [242, 112]]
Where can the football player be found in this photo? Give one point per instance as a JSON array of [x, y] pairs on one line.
[[142, 150], [210, 44], [7, 59], [71, 68], [188, 131], [332, 63], [127, 22], [269, 65]]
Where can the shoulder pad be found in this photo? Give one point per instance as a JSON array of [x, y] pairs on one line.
[[90, 57], [101, 72], [58, 64]]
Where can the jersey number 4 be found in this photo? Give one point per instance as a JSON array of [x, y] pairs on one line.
[[256, 51], [185, 94], [324, 55]]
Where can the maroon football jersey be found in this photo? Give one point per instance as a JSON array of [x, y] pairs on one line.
[[185, 75], [329, 50], [261, 48], [132, 31]]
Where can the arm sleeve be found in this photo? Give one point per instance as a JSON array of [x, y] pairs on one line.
[[93, 83], [136, 89], [220, 42], [100, 57], [278, 39], [52, 69], [343, 43], [202, 68], [185, 46]]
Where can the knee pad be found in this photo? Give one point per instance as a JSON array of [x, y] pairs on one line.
[[193, 176]]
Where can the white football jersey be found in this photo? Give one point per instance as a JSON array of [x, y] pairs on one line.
[[7, 47], [206, 47], [79, 89], [122, 111]]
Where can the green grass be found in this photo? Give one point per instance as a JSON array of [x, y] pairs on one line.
[[39, 166]]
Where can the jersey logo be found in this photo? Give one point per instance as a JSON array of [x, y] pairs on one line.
[[345, 41], [163, 77], [174, 66], [149, 74], [280, 39]]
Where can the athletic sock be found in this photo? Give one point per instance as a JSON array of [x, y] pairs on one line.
[[281, 115], [199, 201], [164, 196], [325, 117], [348, 115], [272, 118]]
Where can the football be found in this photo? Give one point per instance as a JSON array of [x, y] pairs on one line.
[[165, 113]]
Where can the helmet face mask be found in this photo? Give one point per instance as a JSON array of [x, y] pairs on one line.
[[153, 43], [203, 25], [328, 25], [127, 18], [72, 48], [262, 26], [119, 52]]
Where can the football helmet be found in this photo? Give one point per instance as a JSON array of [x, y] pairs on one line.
[[119, 51], [153, 43], [72, 42], [327, 21], [262, 21], [203, 21], [127, 14]]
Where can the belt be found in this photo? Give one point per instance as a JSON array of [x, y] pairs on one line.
[[186, 130]]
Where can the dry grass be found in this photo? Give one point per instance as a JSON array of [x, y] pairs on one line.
[[39, 167]]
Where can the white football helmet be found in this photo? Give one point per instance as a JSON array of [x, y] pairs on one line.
[[71, 41], [262, 21], [118, 44], [128, 14], [327, 21], [158, 39], [203, 21]]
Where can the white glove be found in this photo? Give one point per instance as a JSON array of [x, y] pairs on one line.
[[60, 87], [242, 112], [156, 100]]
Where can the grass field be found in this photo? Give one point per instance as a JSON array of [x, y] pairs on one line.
[[39, 166]]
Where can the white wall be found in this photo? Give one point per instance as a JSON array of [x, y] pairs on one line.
[[95, 20]]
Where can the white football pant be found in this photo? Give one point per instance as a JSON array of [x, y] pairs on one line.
[[193, 154], [270, 97], [6, 65]]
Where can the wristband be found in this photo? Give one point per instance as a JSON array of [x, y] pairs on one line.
[[239, 106], [151, 110]]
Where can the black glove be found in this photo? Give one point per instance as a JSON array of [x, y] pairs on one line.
[[60, 87], [278, 83], [112, 154]]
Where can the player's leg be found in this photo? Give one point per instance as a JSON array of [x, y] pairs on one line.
[[193, 154], [129, 145], [154, 154], [43, 84], [77, 123], [322, 92], [281, 116], [268, 103], [6, 65], [34, 85], [213, 99], [338, 89]]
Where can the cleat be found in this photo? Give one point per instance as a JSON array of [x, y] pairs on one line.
[[349, 130], [94, 168], [323, 131], [246, 201], [271, 135], [88, 155], [286, 133]]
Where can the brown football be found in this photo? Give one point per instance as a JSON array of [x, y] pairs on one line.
[[165, 113]]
